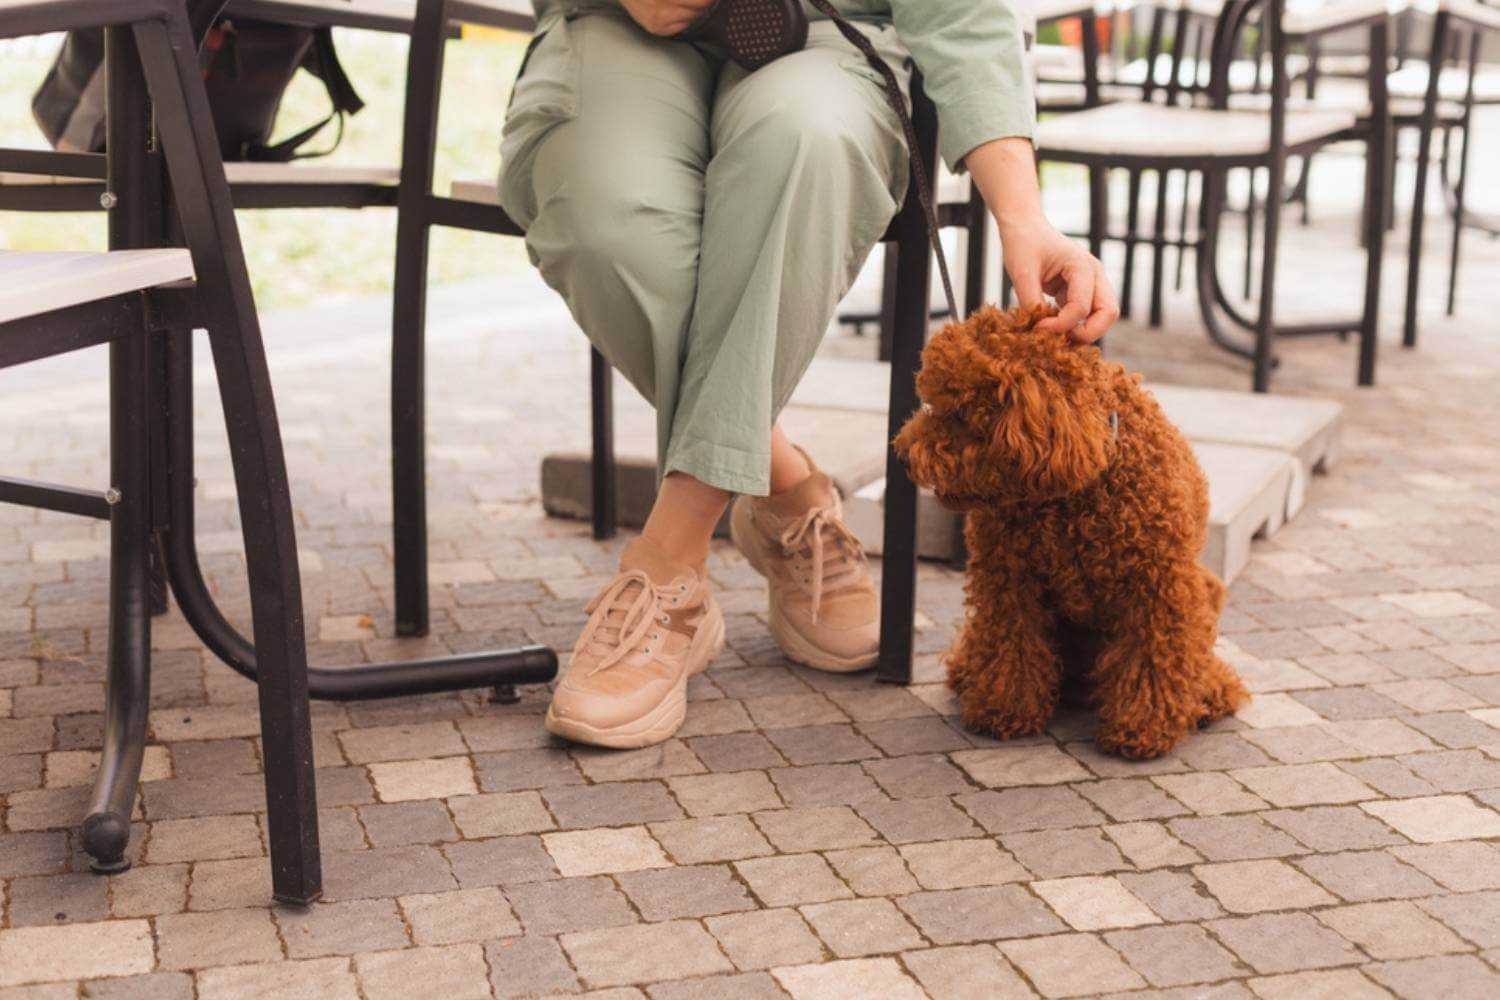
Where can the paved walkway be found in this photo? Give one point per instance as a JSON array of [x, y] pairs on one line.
[[807, 834]]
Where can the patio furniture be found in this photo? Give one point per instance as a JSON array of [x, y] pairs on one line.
[[1212, 140], [52, 303], [474, 206], [140, 304], [1442, 84]]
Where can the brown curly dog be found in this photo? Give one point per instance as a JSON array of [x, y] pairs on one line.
[[1087, 514]]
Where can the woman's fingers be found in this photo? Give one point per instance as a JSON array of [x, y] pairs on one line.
[[1028, 286], [1079, 280], [1105, 308]]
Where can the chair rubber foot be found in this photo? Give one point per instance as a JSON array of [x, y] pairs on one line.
[[300, 902], [105, 837], [505, 694]]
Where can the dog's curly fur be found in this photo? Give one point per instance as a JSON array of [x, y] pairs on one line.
[[1081, 538]]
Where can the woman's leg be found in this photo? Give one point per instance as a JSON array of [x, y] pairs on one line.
[[808, 168], [799, 190], [605, 149]]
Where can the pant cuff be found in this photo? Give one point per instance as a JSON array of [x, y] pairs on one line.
[[720, 466]]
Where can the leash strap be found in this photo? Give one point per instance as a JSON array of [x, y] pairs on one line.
[[897, 101]]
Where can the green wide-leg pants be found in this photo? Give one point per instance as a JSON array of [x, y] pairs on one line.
[[701, 222]]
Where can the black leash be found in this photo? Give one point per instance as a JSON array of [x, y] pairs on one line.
[[897, 101]]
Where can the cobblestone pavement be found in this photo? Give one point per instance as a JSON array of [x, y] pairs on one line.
[[806, 834]]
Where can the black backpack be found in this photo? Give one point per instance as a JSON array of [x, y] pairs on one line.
[[247, 66]]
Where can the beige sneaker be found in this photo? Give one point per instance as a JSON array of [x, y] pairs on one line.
[[652, 628], [825, 612]]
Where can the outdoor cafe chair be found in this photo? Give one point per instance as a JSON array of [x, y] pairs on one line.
[[51, 303], [1460, 31], [1194, 128], [474, 206], [145, 303]]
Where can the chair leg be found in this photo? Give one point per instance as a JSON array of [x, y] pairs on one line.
[[1252, 207], [888, 282], [1132, 214], [1467, 125], [1158, 246], [190, 146], [409, 322], [106, 828], [1419, 197], [1265, 326], [1458, 220], [975, 251], [1378, 161], [602, 458], [898, 576], [1098, 209]]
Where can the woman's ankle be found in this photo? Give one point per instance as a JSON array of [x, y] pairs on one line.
[[683, 518], [790, 466]]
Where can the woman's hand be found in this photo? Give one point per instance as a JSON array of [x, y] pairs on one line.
[[1038, 258], [666, 17]]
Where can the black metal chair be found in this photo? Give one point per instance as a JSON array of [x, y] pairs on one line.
[[1459, 31], [420, 208], [149, 325], [123, 304], [1212, 140]]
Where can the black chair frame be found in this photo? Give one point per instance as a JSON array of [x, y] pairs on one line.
[[150, 504], [1451, 36], [1215, 305]]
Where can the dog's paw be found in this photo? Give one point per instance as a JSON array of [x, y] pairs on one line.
[[1005, 724], [1136, 744]]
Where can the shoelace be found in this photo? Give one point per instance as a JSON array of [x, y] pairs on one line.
[[641, 615], [807, 532]]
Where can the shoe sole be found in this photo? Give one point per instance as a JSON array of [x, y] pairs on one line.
[[661, 722], [796, 646]]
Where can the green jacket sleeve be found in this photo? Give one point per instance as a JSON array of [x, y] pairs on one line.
[[973, 63]]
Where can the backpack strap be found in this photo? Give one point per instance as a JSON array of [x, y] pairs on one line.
[[322, 61]]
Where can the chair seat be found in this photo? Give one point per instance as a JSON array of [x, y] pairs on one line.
[[1482, 14], [1190, 72], [1056, 94], [33, 283], [247, 173], [951, 188], [1153, 130], [1306, 17], [1453, 83], [1348, 95]]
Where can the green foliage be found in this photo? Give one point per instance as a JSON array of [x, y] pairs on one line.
[[298, 256]]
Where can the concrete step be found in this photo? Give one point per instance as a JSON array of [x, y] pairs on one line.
[[1257, 451], [1307, 429], [1247, 499]]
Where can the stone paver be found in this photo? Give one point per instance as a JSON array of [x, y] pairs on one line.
[[1071, 965], [1091, 903], [643, 953], [805, 834], [765, 938], [1256, 886]]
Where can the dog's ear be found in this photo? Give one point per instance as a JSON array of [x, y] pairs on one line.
[[956, 374], [1053, 432]]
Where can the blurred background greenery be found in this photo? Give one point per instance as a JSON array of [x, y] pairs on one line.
[[300, 255]]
